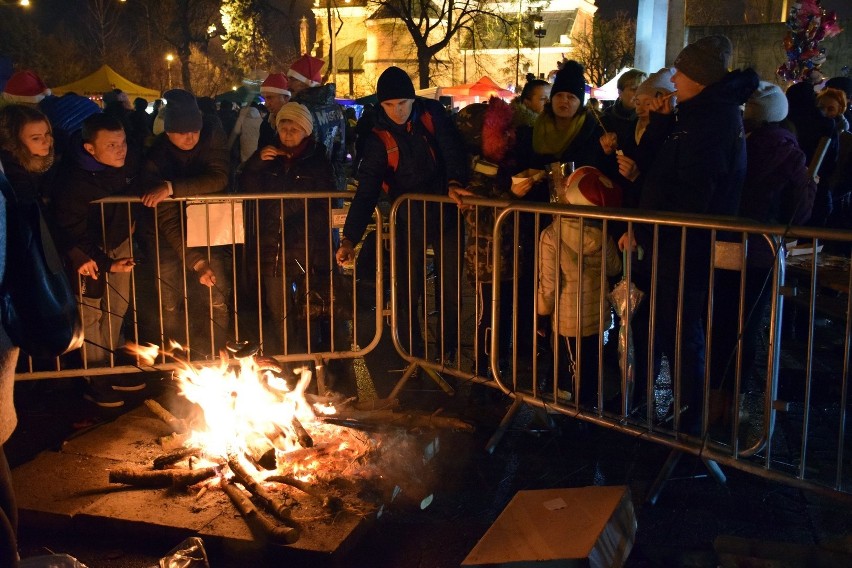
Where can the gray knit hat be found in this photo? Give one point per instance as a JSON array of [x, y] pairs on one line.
[[659, 83], [707, 60], [766, 104], [181, 113]]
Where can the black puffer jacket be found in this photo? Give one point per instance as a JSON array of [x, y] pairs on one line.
[[203, 170], [309, 171], [427, 162], [83, 181]]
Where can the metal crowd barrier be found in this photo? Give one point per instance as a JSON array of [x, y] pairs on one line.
[[772, 397], [230, 232]]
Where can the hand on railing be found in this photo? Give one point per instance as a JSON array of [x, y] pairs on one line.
[[345, 253], [457, 194], [156, 195]]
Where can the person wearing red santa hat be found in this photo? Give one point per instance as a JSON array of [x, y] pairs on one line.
[[25, 87], [305, 81], [275, 91]]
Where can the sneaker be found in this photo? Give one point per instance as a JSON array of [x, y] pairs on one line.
[[128, 383], [100, 392]]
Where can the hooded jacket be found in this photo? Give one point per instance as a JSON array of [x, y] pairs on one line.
[[84, 181], [426, 163], [563, 245]]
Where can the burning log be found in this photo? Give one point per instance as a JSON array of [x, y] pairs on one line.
[[275, 506], [277, 534], [170, 458], [178, 478], [400, 420], [328, 501], [174, 423], [302, 435]]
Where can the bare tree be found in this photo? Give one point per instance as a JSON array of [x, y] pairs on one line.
[[432, 24], [605, 46], [102, 24]]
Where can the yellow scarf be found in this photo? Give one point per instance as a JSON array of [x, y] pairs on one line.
[[548, 139]]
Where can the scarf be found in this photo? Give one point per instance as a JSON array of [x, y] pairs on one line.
[[548, 139]]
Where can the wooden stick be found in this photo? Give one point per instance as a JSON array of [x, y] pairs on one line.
[[401, 420], [327, 501], [175, 424], [302, 435], [275, 506], [167, 459], [277, 534], [160, 478]]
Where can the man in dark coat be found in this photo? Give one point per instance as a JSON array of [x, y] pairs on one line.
[[699, 168], [190, 158], [431, 160]]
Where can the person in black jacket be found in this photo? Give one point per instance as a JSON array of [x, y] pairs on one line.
[[294, 240], [100, 250], [699, 168], [190, 158], [431, 161]]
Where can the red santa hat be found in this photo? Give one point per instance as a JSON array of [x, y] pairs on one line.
[[25, 87], [307, 69], [275, 83], [588, 186]]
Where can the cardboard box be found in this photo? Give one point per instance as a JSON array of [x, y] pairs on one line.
[[584, 526]]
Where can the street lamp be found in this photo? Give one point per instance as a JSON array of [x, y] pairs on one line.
[[540, 32], [169, 59]]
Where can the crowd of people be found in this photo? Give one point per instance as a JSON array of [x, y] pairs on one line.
[[694, 138]]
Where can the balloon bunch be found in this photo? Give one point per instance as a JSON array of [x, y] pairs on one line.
[[808, 24]]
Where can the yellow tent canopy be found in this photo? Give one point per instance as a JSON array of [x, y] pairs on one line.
[[103, 80]]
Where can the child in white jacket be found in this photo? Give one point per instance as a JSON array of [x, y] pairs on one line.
[[580, 309]]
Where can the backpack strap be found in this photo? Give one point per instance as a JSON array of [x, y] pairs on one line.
[[392, 147]]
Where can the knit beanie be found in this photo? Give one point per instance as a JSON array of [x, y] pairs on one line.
[[707, 60], [394, 83], [275, 83], [25, 87], [307, 69], [766, 104], [570, 78], [588, 186], [298, 114], [659, 83], [181, 113]]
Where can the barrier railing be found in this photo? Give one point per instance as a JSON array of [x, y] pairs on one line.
[[224, 268], [724, 378]]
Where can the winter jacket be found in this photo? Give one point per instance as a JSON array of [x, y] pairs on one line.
[[308, 172], [29, 186], [329, 127], [66, 115], [699, 168], [584, 150], [565, 245], [427, 162], [8, 353], [83, 181], [203, 170], [247, 130]]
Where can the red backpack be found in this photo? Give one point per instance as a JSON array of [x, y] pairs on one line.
[[393, 148]]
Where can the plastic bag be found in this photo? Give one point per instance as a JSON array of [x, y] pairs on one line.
[[188, 554], [51, 561]]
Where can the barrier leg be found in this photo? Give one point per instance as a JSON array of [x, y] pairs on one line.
[[504, 425], [409, 371], [668, 469], [439, 380]]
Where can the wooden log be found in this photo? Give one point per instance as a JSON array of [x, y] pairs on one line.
[[170, 458], [302, 435], [271, 503], [403, 420], [328, 501], [160, 478], [174, 423], [260, 525]]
